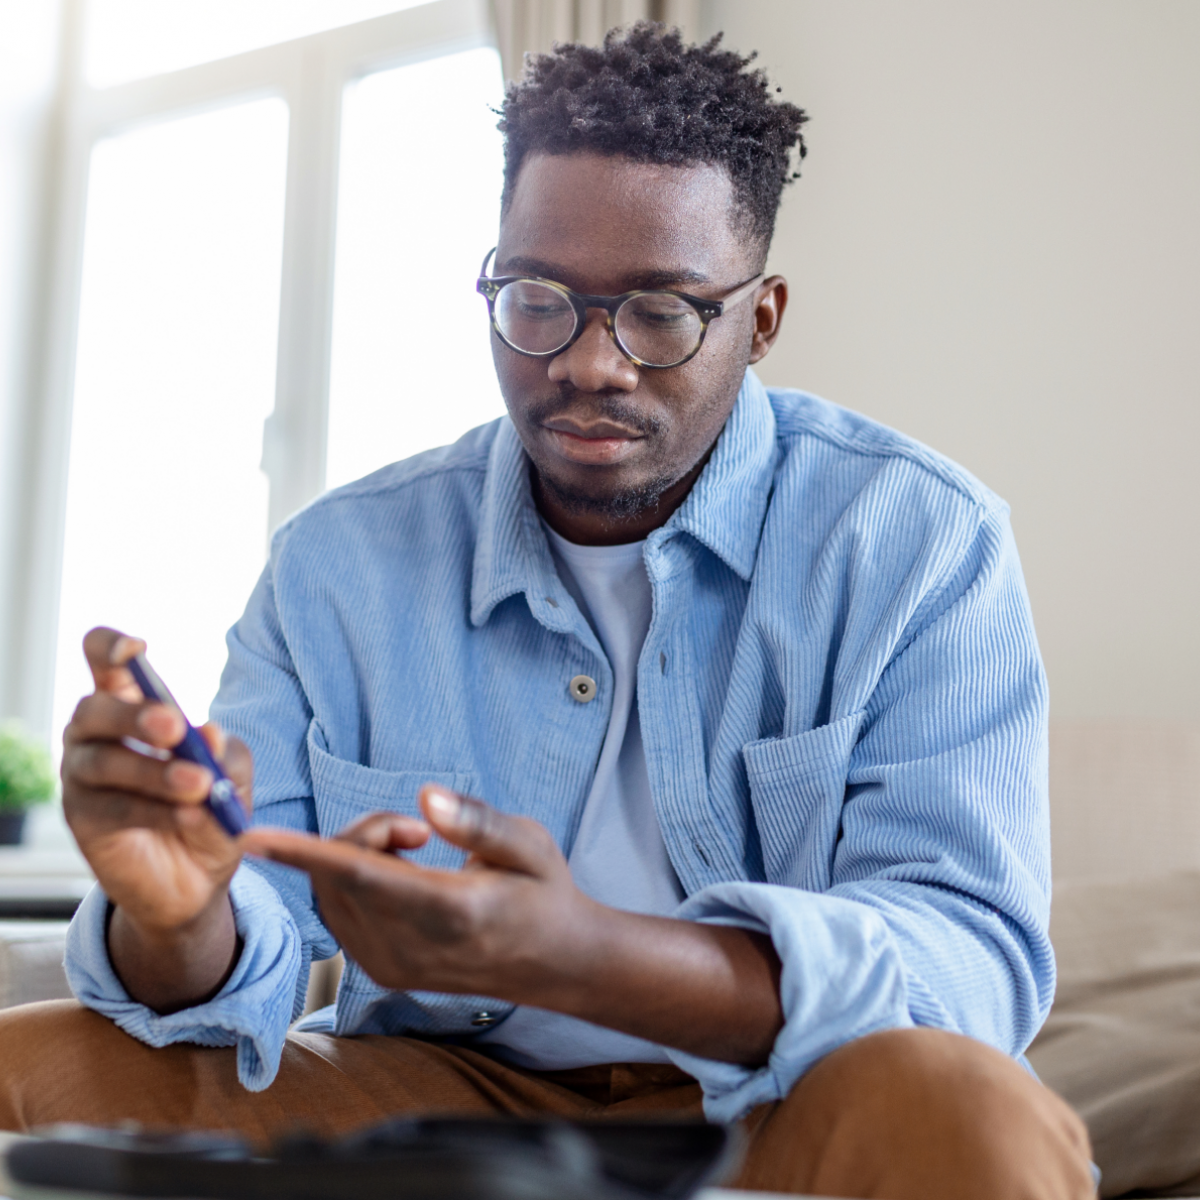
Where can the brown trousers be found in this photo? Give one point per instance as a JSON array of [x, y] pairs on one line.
[[902, 1114]]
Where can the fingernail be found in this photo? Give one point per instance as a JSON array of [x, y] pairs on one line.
[[123, 649], [185, 777], [443, 804], [155, 720]]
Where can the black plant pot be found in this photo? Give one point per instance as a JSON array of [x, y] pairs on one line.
[[12, 827]]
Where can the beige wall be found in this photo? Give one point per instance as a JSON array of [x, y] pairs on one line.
[[996, 248]]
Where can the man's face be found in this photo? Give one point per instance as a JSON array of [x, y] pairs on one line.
[[608, 438]]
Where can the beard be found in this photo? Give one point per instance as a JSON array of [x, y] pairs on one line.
[[620, 505], [615, 506]]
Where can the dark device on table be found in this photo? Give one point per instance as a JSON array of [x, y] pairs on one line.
[[222, 801], [403, 1159]]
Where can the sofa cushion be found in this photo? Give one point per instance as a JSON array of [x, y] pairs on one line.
[[31, 962], [1122, 1044]]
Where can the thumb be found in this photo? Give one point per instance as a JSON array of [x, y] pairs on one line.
[[492, 837], [107, 651]]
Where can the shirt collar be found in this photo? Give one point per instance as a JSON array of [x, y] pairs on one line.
[[724, 510], [727, 505]]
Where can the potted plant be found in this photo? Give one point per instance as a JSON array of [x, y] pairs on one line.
[[26, 779]]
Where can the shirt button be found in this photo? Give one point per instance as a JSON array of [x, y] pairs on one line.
[[582, 688], [483, 1020]]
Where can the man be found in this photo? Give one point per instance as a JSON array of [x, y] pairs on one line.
[[747, 686]]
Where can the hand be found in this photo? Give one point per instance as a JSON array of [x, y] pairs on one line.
[[140, 822], [512, 924], [492, 927]]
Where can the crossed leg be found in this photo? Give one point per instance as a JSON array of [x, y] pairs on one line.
[[902, 1115]]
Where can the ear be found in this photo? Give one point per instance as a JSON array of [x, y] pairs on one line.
[[768, 314]]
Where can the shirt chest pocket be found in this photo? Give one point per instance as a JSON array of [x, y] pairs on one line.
[[797, 789], [344, 791]]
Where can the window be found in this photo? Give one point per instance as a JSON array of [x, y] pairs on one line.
[[133, 39], [175, 369], [270, 255], [419, 147]]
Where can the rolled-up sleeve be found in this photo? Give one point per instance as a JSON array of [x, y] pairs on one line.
[[841, 979], [932, 906], [251, 1011]]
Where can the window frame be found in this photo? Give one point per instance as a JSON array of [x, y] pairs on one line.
[[310, 74]]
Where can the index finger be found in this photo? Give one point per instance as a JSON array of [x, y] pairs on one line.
[[303, 850], [344, 861], [107, 651]]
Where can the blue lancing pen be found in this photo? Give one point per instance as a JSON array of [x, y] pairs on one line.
[[222, 801]]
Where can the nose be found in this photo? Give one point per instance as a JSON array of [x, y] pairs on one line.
[[594, 363]]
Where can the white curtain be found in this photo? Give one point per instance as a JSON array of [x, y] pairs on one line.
[[533, 26]]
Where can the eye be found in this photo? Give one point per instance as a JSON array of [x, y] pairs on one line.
[[661, 310], [534, 302], [661, 319], [535, 311]]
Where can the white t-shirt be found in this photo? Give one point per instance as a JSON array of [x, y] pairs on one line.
[[619, 857]]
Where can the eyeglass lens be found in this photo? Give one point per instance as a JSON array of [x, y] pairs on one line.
[[657, 328], [533, 317]]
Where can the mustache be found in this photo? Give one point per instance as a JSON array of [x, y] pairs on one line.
[[609, 405]]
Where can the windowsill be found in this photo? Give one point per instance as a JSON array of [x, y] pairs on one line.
[[47, 876]]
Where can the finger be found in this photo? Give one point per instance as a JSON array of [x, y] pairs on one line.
[[305, 851], [340, 862], [239, 766], [387, 832], [97, 812], [515, 843], [107, 651], [134, 847], [214, 737], [106, 717], [235, 759], [111, 766]]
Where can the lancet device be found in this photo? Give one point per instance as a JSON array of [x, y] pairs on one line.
[[222, 801]]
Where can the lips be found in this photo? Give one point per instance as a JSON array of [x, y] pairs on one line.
[[593, 442], [591, 430]]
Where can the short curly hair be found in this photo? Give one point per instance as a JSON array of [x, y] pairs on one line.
[[647, 96]]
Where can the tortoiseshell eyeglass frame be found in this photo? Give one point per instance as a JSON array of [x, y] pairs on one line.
[[706, 310]]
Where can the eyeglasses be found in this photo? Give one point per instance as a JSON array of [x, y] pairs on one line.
[[540, 318]]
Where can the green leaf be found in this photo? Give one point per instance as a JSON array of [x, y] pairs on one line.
[[26, 773]]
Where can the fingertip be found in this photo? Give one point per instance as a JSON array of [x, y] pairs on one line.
[[161, 724], [238, 763], [502, 840], [214, 735], [386, 832], [107, 652], [440, 805], [409, 833], [125, 648], [190, 782]]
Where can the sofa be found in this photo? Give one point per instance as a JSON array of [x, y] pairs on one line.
[[1122, 1042]]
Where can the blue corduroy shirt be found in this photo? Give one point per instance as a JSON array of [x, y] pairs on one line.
[[842, 705]]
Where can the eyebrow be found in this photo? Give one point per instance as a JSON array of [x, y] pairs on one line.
[[671, 277]]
